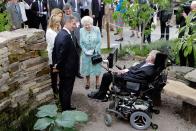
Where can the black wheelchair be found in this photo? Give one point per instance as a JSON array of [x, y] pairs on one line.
[[133, 100]]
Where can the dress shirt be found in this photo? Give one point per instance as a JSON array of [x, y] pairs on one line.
[[146, 64], [23, 6], [76, 6], [67, 30]]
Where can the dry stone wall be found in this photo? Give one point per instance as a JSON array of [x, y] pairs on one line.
[[24, 72]]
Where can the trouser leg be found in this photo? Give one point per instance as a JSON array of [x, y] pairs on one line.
[[167, 32], [65, 92], [105, 83]]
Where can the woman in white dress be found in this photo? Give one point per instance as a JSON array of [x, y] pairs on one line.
[[23, 6], [54, 25]]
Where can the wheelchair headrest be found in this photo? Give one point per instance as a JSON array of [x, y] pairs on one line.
[[160, 61]]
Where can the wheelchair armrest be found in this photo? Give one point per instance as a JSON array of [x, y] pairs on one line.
[[130, 79]]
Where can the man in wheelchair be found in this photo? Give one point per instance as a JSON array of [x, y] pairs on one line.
[[142, 73]]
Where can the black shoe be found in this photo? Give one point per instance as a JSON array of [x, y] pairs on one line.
[[104, 99], [132, 35], [72, 108], [121, 39], [116, 33], [87, 87], [79, 76]]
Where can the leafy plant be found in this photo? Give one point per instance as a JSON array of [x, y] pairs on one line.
[[4, 18], [52, 120], [189, 37]]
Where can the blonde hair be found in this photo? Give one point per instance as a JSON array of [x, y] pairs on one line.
[[56, 11], [53, 22]]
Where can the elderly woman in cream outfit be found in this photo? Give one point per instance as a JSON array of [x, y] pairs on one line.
[[90, 42]]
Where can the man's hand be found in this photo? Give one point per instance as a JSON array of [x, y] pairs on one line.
[[184, 14], [93, 16], [119, 71], [55, 70]]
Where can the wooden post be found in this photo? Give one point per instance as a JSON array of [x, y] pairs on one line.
[[108, 34]]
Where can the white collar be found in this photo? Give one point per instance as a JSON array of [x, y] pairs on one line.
[[67, 30]]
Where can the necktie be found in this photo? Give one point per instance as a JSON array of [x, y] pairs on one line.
[[99, 5], [57, 2]]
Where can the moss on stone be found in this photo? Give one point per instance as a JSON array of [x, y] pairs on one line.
[[43, 72], [13, 58]]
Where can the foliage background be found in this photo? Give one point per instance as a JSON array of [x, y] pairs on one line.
[[4, 18]]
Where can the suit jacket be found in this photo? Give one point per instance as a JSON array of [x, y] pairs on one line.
[[76, 32], [15, 15], [52, 4], [35, 8], [73, 5], [140, 74], [95, 8], [164, 15], [64, 55]]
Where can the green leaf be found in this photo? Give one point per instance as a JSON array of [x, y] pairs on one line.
[[47, 110], [65, 121], [42, 123], [56, 128], [77, 115], [186, 52]]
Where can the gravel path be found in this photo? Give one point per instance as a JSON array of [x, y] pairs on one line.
[[169, 118]]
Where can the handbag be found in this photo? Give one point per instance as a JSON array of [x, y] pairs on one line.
[[96, 58]]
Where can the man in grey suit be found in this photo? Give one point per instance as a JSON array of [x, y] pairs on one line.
[[56, 4], [75, 4], [15, 14], [76, 33]]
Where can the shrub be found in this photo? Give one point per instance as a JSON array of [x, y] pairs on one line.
[[4, 18], [168, 47]]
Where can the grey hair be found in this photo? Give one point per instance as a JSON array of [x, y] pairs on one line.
[[193, 4], [153, 54], [68, 19], [87, 19], [67, 6]]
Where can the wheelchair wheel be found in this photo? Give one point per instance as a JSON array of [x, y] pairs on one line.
[[108, 119], [154, 126], [140, 120]]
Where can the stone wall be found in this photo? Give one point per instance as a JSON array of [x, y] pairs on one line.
[[24, 72]]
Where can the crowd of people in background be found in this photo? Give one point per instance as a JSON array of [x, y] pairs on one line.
[[71, 31], [36, 14]]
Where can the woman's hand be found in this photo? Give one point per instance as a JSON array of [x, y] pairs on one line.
[[89, 52]]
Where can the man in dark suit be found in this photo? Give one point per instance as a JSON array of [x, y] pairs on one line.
[[98, 12], [75, 4], [164, 17], [65, 61], [141, 73], [76, 33], [56, 4], [39, 9]]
